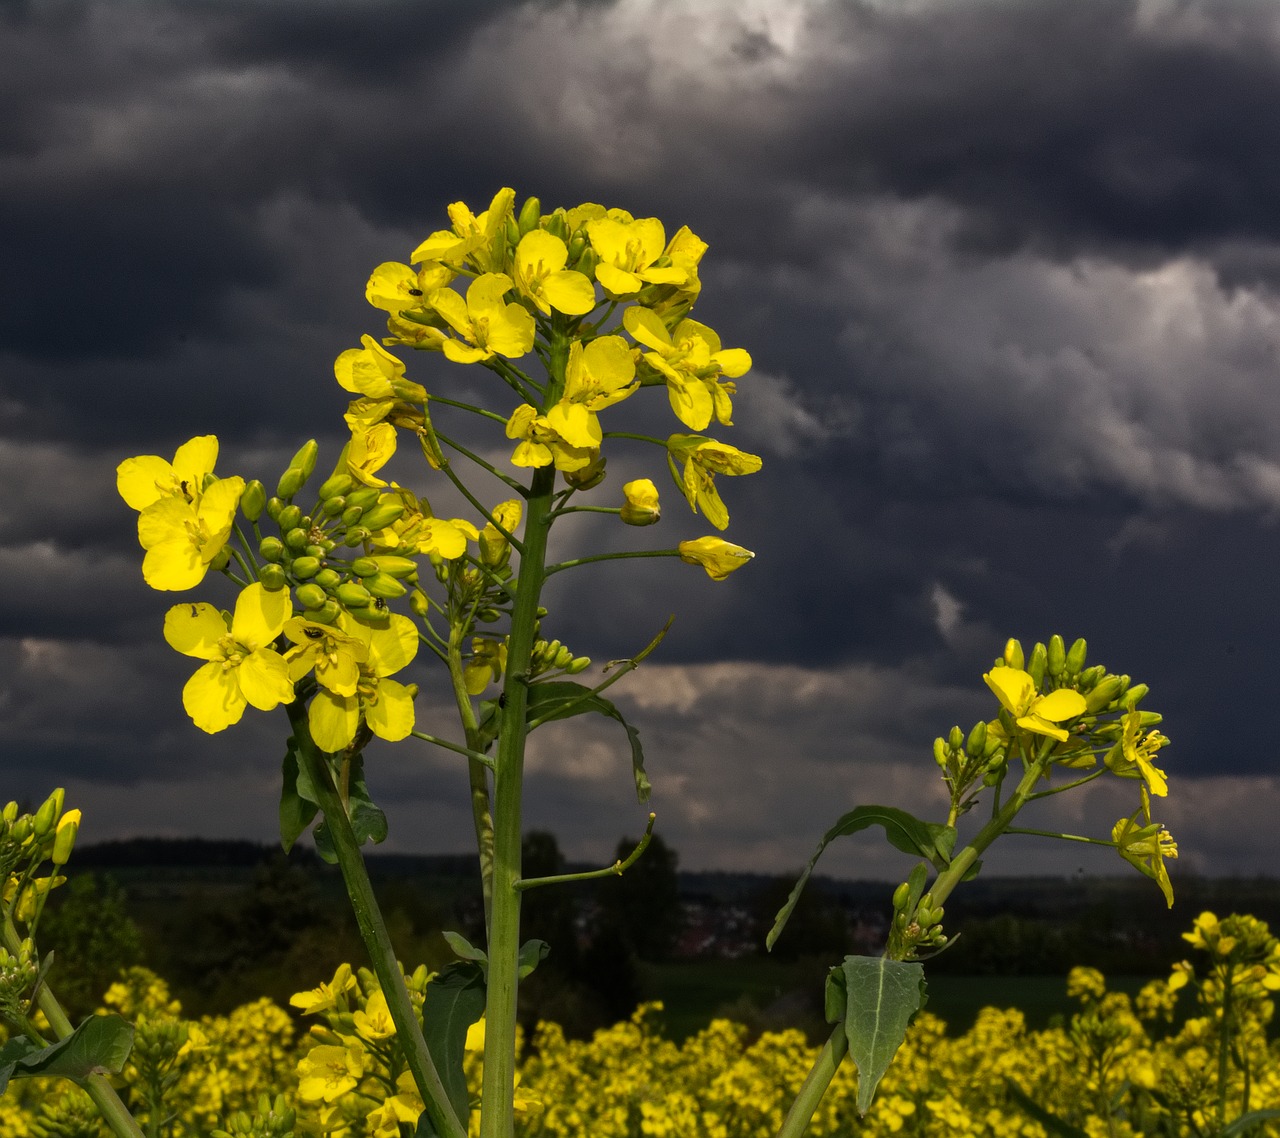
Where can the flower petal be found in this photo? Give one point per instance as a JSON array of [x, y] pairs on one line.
[[390, 717], [260, 615], [195, 629], [334, 720], [213, 698], [264, 679]]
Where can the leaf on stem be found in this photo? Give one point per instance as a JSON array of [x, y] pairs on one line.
[[298, 800], [563, 699], [453, 1001], [904, 831], [877, 998], [100, 1045]]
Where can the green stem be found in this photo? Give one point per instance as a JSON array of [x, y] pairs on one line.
[[497, 1096], [815, 1086], [615, 870], [1060, 837], [474, 756], [373, 930], [114, 1112], [470, 407], [556, 568], [586, 510], [480, 462], [639, 438]]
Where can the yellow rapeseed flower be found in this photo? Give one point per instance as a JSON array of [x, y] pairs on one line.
[[540, 275], [182, 536], [146, 479], [628, 251], [1016, 691], [703, 459], [718, 557], [485, 323]]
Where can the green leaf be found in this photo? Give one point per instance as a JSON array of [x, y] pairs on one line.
[[453, 1001], [367, 822], [100, 1045], [1051, 1122], [297, 799], [563, 699], [905, 832], [463, 949], [532, 953], [881, 996], [1247, 1122]]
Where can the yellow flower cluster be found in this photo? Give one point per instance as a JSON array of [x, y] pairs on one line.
[[1114, 1069]]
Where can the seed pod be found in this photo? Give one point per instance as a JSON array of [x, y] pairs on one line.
[[396, 566], [273, 578], [351, 515], [1075, 656], [364, 497], [385, 586], [530, 215], [305, 567], [1037, 664], [253, 499], [1013, 654], [352, 595], [327, 578], [289, 518], [311, 596], [274, 506], [291, 481], [383, 514], [1056, 656], [327, 613], [332, 507], [297, 539], [335, 487], [364, 567], [305, 459]]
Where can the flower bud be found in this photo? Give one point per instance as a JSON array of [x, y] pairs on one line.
[[305, 567], [1135, 695], [901, 896], [530, 215], [586, 264], [382, 515], [273, 578], [271, 549], [364, 567], [1013, 654], [1037, 664], [311, 595], [353, 596], [419, 603], [557, 225], [289, 518], [940, 752], [351, 515], [1075, 656], [364, 497], [332, 507], [65, 839], [956, 739], [385, 586], [578, 664], [291, 481], [327, 578], [1088, 679], [221, 559], [316, 551], [335, 487], [396, 566], [1102, 695], [305, 459], [9, 813], [253, 499], [274, 506], [641, 506], [1056, 656], [977, 741], [588, 477], [357, 535], [297, 539], [326, 613], [47, 816]]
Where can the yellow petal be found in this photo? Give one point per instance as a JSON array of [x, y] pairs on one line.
[[391, 716], [195, 459], [264, 679], [172, 566], [575, 424], [1059, 705], [569, 292], [260, 615], [393, 647], [141, 481], [166, 519], [195, 630], [213, 698], [1014, 688], [333, 720]]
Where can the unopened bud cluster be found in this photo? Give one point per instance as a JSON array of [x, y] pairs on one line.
[[27, 841], [271, 1120], [18, 974]]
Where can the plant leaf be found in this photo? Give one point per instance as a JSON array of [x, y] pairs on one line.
[[453, 1001], [1050, 1121], [100, 1045], [367, 821], [881, 996], [563, 699], [463, 949], [532, 953], [297, 799], [904, 831], [1246, 1122]]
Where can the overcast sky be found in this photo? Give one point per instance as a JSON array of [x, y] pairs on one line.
[[1009, 273]]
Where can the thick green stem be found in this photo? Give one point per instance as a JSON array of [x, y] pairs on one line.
[[815, 1086], [373, 930], [100, 1091]]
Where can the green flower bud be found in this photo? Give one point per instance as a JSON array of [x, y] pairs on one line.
[[289, 518], [357, 535], [1056, 657], [291, 481], [1013, 654], [9, 813], [419, 603], [1037, 664], [382, 515], [332, 507], [557, 225], [512, 230], [311, 596], [1103, 695], [1135, 695], [253, 499], [317, 551], [1088, 679], [335, 487], [588, 477], [956, 739], [221, 559], [1149, 718], [305, 459], [901, 896], [327, 578], [397, 566], [21, 830], [385, 586], [271, 549], [364, 567], [365, 497], [47, 816], [940, 752], [274, 506], [1075, 657], [304, 567], [65, 839], [586, 264], [351, 515], [272, 577], [578, 664], [977, 741], [352, 595], [297, 539], [326, 613], [488, 616], [530, 215]]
